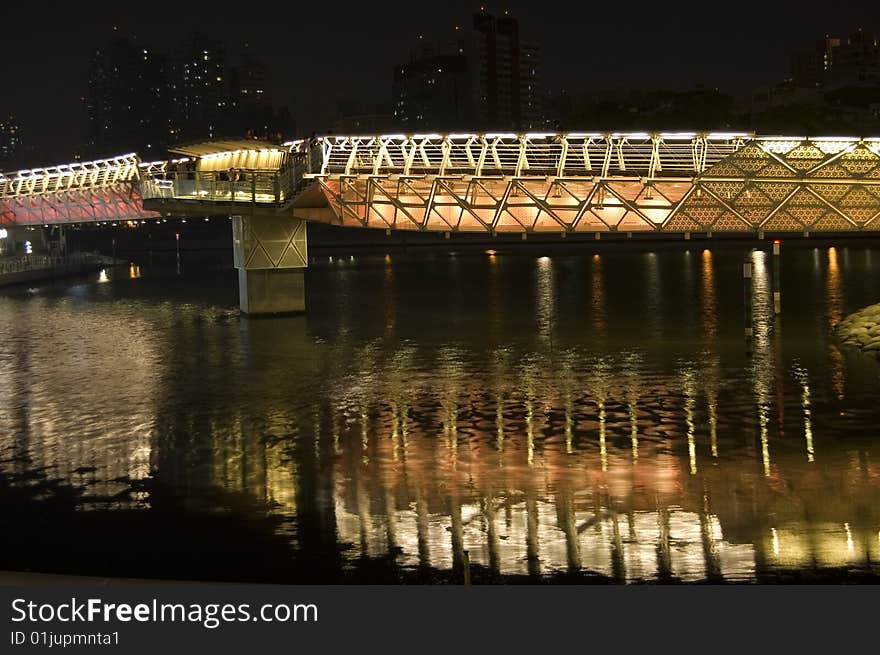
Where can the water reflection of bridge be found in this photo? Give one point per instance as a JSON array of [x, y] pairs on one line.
[[535, 457], [583, 473]]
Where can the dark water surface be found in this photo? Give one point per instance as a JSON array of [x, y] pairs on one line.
[[594, 414]]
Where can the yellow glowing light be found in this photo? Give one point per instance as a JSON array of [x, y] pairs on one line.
[[491, 253]]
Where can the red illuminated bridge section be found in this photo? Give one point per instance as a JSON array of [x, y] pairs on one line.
[[80, 192], [493, 183]]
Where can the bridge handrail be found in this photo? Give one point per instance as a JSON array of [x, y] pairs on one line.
[[70, 177], [254, 186], [645, 155], [539, 153], [246, 186]]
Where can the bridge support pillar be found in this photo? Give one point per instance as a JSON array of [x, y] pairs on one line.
[[271, 255]]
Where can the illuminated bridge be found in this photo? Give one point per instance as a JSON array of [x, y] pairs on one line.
[[576, 182]]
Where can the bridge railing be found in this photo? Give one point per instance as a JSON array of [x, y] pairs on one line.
[[77, 176], [217, 186], [533, 154]]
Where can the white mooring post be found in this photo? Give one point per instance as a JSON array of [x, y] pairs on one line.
[[747, 297], [777, 278]]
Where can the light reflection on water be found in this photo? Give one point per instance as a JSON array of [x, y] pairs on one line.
[[596, 413]]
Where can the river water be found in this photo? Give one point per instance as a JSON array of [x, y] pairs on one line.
[[590, 414]]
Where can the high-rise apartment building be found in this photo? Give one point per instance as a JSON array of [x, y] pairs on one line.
[[10, 142], [127, 99], [485, 77], [435, 91], [856, 62], [509, 81], [253, 114], [252, 78], [835, 63], [142, 101], [809, 68], [202, 101]]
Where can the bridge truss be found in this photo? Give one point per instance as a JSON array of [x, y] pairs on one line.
[[580, 182]]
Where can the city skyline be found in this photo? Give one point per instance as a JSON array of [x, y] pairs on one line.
[[487, 76], [194, 91], [728, 51]]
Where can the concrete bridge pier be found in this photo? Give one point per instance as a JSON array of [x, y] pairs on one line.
[[270, 253]]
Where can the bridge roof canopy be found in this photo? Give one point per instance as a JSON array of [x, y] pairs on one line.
[[216, 147]]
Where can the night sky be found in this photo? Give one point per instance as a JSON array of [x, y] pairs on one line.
[[320, 53]]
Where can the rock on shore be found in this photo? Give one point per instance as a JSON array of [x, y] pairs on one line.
[[862, 329]]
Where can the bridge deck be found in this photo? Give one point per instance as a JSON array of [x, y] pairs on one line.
[[571, 182]]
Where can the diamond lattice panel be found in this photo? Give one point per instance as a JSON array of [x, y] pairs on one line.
[[775, 169], [783, 222], [832, 222], [831, 192], [859, 161], [729, 222], [681, 222], [804, 157], [775, 191], [724, 168]]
